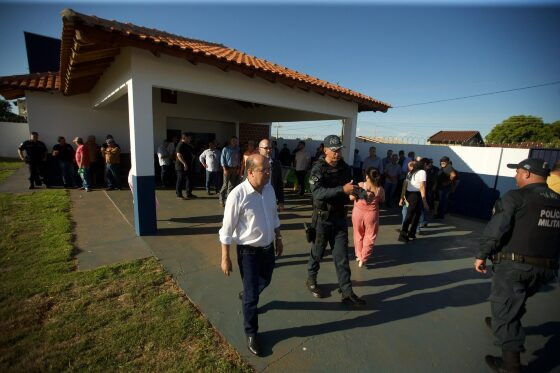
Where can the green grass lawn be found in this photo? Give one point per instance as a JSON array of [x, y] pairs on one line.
[[130, 316], [8, 166]]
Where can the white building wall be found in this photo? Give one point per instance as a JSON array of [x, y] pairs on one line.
[[11, 136], [53, 115]]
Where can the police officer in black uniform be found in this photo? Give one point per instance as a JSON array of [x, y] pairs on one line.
[[331, 184], [522, 240], [35, 156]]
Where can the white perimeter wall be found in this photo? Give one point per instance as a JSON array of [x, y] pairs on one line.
[[485, 162], [11, 136]]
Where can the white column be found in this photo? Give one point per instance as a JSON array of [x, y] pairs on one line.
[[349, 138], [140, 117]]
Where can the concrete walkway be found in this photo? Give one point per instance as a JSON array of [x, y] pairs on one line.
[[425, 302]]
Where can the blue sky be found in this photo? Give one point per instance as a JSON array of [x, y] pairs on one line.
[[407, 53]]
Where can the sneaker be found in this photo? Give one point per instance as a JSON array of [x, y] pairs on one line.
[[191, 196], [182, 198], [88, 190], [411, 236], [353, 299]]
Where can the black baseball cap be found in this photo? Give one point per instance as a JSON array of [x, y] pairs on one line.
[[534, 165], [333, 142]]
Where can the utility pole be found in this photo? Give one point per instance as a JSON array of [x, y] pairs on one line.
[[277, 126]]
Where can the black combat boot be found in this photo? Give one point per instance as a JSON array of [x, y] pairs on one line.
[[510, 362], [313, 287]]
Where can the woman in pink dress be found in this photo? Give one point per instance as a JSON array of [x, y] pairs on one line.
[[365, 214]]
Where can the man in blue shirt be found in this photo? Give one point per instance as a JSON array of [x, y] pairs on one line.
[[230, 161]]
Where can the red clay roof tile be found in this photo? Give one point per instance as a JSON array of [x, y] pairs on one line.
[[127, 34], [453, 136]]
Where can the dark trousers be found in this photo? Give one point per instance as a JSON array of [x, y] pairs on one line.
[[213, 179], [390, 189], [413, 213], [35, 173], [357, 174], [190, 180], [333, 231], [255, 266], [301, 181], [67, 173], [113, 175], [443, 200], [166, 175], [512, 284], [182, 182]]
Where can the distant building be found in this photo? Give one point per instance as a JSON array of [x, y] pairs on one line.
[[465, 138]]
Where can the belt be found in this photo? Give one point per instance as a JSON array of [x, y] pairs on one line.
[[539, 262], [257, 248]]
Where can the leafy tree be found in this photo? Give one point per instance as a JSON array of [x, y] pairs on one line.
[[6, 114], [520, 128]]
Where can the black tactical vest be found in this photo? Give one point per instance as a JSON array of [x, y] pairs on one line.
[[333, 176], [536, 226]]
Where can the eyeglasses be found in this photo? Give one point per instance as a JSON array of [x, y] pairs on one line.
[[264, 170]]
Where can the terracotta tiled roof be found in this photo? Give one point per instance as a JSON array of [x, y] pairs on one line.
[[89, 45], [12, 87], [453, 136]]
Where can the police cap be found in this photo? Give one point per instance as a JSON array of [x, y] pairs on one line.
[[333, 142], [533, 165]]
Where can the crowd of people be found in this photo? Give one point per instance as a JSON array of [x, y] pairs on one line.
[[521, 267], [83, 167], [251, 219], [250, 186]]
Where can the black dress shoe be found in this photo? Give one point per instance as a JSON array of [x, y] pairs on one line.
[[403, 237], [253, 345], [314, 288], [353, 299]]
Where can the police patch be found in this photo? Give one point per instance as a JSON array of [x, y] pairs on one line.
[[313, 179]]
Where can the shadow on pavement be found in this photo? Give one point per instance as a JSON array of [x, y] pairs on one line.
[[383, 308], [548, 357]]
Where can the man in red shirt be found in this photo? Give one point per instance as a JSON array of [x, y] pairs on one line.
[[82, 160]]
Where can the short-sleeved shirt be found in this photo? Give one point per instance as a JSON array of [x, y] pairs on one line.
[[35, 150], [186, 151], [373, 162], [83, 153], [65, 152], [414, 183], [303, 159], [393, 171]]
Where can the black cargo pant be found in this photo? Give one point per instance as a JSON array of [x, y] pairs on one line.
[[36, 170], [332, 230], [512, 284]]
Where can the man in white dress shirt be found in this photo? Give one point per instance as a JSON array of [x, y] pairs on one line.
[[251, 221]]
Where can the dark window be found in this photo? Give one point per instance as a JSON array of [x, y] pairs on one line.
[[168, 96]]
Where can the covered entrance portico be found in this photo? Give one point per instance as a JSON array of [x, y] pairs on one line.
[[261, 102]]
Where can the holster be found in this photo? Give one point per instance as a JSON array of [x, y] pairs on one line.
[[310, 229]]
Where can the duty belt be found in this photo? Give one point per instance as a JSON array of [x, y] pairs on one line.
[[539, 262]]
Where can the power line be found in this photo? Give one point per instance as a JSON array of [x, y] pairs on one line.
[[478, 95]]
